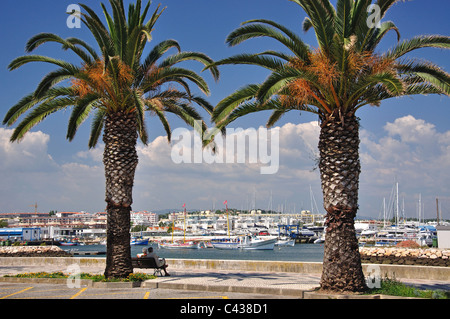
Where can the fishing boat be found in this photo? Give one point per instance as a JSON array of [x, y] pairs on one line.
[[137, 241], [246, 242], [179, 245]]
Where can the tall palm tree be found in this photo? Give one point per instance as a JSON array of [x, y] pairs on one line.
[[118, 86], [334, 80]]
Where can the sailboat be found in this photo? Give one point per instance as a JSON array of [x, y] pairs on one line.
[[179, 245]]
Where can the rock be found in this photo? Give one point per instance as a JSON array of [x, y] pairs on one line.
[[30, 251]]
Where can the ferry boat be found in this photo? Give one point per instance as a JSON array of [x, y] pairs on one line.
[[246, 242]]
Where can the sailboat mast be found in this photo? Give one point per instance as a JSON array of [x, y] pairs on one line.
[[228, 220], [397, 203], [184, 236], [437, 211], [173, 225], [420, 207]]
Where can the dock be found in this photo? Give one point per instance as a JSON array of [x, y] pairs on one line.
[[87, 253]]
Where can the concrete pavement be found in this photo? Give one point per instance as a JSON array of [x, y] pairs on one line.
[[270, 284]]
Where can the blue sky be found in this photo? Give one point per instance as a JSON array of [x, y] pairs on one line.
[[64, 176]]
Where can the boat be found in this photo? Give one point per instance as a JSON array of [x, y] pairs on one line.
[[68, 243], [180, 245], [285, 242], [136, 241], [246, 242], [320, 240], [206, 244]]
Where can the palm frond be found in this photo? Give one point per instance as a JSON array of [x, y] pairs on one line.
[[79, 114], [41, 38], [256, 30], [322, 16], [96, 127], [434, 41], [38, 114], [191, 56], [139, 105], [228, 104], [30, 100], [252, 59]]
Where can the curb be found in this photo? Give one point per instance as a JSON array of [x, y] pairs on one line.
[[317, 295], [222, 288]]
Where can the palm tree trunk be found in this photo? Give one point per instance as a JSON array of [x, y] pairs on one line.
[[120, 160], [339, 169]]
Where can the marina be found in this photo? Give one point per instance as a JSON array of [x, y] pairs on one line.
[[304, 252]]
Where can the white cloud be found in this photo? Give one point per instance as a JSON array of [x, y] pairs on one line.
[[29, 153], [411, 130], [413, 153], [401, 152]]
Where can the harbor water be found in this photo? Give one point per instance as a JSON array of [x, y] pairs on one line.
[[299, 252]]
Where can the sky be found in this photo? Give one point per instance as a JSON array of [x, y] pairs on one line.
[[405, 140]]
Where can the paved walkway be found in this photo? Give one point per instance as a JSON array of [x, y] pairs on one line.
[[269, 283], [282, 283]]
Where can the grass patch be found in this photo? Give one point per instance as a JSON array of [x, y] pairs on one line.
[[96, 278], [393, 287]]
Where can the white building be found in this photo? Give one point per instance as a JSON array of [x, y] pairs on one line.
[[443, 236], [144, 218]]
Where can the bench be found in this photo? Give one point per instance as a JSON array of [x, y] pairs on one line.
[[148, 263]]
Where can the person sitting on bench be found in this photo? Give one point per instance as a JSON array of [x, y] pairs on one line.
[[144, 253], [161, 262]]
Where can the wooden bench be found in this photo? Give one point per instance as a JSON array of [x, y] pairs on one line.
[[148, 263]]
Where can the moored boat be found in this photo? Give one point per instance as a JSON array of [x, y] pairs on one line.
[[246, 242], [183, 245], [137, 241], [68, 243], [285, 242]]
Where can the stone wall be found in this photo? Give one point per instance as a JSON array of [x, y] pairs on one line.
[[405, 256], [32, 251]]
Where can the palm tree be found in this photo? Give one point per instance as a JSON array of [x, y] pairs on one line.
[[118, 86], [334, 80]]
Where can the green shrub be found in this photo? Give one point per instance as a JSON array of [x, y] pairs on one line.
[[93, 277], [394, 287]]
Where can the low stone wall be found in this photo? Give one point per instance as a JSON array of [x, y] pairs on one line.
[[405, 256], [32, 251]]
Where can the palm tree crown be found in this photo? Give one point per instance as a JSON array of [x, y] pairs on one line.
[[338, 77], [117, 78]]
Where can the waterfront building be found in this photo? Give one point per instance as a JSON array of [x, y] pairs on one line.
[[443, 236], [20, 234], [144, 218]]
